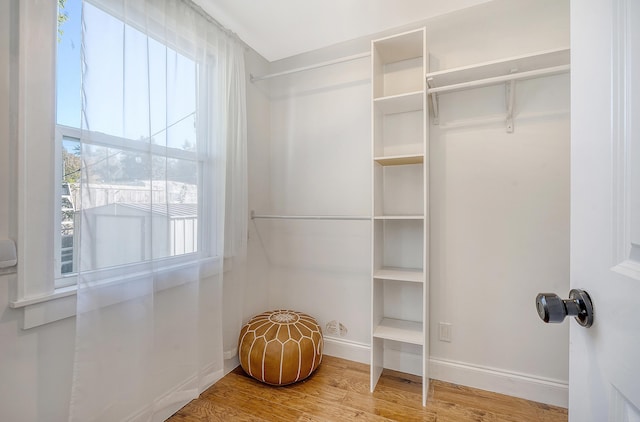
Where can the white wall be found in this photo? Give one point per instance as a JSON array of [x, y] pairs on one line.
[[310, 154], [499, 202], [320, 165]]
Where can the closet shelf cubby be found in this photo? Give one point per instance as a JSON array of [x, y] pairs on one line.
[[401, 103], [399, 160], [399, 274], [400, 330]]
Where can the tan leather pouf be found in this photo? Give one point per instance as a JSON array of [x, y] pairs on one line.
[[280, 347]]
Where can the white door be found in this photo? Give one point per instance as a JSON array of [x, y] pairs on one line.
[[604, 375]]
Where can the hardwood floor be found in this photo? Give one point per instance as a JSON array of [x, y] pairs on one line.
[[339, 391]]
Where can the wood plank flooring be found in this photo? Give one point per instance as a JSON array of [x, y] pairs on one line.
[[339, 391]]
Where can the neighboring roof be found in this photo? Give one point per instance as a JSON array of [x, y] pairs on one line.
[[170, 210]]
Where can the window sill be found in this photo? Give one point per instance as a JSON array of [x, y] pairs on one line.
[[45, 309], [62, 303]]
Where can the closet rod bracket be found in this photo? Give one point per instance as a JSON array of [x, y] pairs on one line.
[[510, 90], [434, 103]]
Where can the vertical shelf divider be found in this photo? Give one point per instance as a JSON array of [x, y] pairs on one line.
[[400, 206]]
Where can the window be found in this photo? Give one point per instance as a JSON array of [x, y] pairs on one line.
[[140, 167], [68, 112], [138, 161]]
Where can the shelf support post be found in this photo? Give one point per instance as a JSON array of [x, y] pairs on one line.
[[510, 88]]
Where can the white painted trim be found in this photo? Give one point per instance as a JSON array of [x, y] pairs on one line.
[[231, 360], [175, 398], [346, 349], [530, 387], [621, 174], [231, 353], [231, 364], [620, 408], [56, 309], [57, 294], [253, 78], [166, 406], [628, 268], [34, 153], [209, 376], [63, 302], [179, 396]]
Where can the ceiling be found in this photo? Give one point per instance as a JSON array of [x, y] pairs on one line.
[[277, 29]]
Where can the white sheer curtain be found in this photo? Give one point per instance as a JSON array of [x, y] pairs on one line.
[[163, 115], [236, 205]]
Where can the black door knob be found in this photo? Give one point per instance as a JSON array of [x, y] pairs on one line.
[[553, 309]]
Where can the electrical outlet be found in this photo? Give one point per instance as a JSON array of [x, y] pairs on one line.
[[231, 353], [444, 331], [335, 328], [331, 329]]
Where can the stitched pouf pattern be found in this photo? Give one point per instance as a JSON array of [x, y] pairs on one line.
[[280, 347]]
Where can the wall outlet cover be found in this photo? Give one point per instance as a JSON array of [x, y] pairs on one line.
[[444, 331]]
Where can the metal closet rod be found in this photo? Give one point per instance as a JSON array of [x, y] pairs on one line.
[[313, 66], [476, 83], [308, 217]]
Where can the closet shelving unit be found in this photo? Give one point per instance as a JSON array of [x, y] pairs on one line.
[[399, 294], [507, 71]]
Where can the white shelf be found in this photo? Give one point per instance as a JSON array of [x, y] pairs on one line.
[[509, 70], [402, 103], [399, 197], [399, 160], [400, 330], [550, 59], [399, 274], [395, 48], [398, 217]]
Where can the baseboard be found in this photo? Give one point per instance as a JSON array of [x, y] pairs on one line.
[[168, 403], [163, 409], [514, 384], [345, 349], [209, 375], [230, 354], [177, 398], [526, 386], [231, 364]]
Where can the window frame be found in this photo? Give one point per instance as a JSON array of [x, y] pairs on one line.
[[129, 145], [38, 288]]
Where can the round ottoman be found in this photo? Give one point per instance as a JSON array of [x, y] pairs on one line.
[[280, 347]]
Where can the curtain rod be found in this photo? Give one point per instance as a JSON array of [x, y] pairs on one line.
[[308, 217], [313, 66], [199, 10]]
